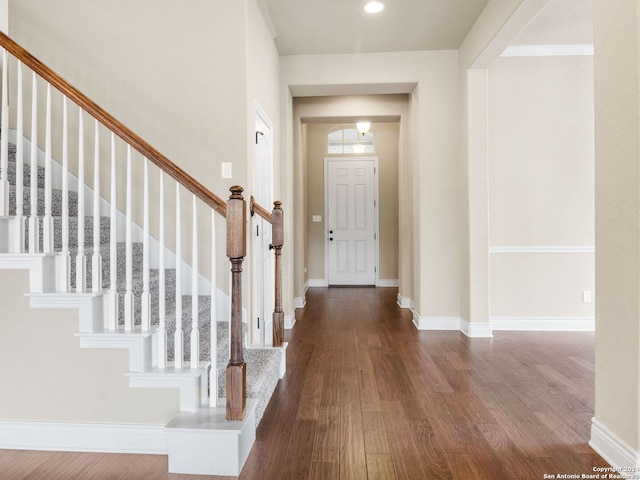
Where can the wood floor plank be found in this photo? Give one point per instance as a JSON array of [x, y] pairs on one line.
[[331, 388], [380, 467], [406, 455], [369, 398], [309, 407], [445, 432], [353, 464], [18, 464], [431, 451], [326, 447], [464, 467], [375, 434], [298, 461], [63, 466], [324, 471]]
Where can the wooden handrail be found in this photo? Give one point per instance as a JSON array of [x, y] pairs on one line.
[[255, 207], [117, 127]]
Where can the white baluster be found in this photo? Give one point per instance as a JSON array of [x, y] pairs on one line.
[[47, 221], [19, 223], [81, 259], [179, 335], [96, 259], [34, 224], [195, 332], [4, 141], [146, 297], [113, 244], [213, 373], [64, 259], [128, 296], [162, 314]]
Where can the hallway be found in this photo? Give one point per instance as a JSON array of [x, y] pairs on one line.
[[366, 395]]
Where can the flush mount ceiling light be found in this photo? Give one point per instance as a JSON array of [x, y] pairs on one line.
[[373, 7], [363, 127]]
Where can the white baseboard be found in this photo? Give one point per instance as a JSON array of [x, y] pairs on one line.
[[78, 437], [472, 330], [388, 282], [475, 329], [290, 320], [405, 302], [544, 324], [435, 323], [299, 302], [614, 450], [318, 282], [306, 287]]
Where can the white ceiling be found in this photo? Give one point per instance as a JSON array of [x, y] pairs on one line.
[[342, 26], [302, 27]]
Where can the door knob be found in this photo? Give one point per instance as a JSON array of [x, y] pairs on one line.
[[331, 232]]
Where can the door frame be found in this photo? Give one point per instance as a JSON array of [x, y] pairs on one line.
[[262, 282], [376, 211]]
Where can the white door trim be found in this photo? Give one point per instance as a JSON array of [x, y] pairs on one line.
[[327, 160], [262, 284]]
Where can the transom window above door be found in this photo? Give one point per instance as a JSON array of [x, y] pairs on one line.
[[349, 140]]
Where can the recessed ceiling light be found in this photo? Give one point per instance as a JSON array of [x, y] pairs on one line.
[[373, 7]]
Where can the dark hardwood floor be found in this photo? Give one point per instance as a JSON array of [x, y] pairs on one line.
[[366, 395]]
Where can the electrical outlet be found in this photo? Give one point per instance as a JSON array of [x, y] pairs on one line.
[[316, 218], [586, 296]]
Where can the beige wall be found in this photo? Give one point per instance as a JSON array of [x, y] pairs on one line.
[[263, 77], [386, 142], [120, 52], [4, 16], [541, 185], [116, 52], [47, 377], [500, 22], [617, 110]]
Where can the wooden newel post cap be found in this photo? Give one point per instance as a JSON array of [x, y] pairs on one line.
[[236, 192], [236, 224]]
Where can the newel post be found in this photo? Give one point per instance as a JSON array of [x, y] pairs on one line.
[[236, 251], [277, 236]]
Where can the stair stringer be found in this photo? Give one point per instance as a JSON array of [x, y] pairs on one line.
[[199, 440], [191, 383]]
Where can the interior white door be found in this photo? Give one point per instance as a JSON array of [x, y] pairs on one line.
[[262, 287], [351, 221]]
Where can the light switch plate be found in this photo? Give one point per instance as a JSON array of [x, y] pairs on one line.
[[225, 169], [317, 218]]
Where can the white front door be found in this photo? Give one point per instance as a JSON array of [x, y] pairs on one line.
[[262, 286], [351, 221]]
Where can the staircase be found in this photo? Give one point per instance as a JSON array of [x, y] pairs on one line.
[[143, 309]]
